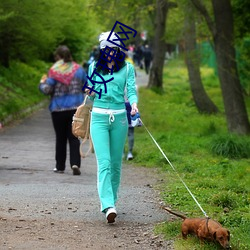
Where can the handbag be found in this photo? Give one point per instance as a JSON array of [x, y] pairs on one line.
[[81, 126]]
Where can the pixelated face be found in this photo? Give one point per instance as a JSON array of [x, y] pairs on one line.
[[110, 52]]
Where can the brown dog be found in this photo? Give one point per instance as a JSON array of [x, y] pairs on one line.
[[204, 228]]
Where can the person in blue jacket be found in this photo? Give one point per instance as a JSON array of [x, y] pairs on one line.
[[109, 123], [64, 84]]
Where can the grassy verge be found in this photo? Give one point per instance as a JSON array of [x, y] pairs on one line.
[[212, 163], [19, 88]]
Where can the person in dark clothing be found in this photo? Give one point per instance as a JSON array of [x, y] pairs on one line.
[[147, 58], [138, 56], [64, 84], [93, 55]]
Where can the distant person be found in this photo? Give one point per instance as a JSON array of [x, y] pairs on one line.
[[93, 55], [139, 56], [147, 54], [130, 52], [130, 127], [130, 133], [64, 84]]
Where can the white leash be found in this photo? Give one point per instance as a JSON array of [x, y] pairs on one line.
[[174, 170]]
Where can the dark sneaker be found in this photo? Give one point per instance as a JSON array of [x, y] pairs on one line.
[[111, 214], [58, 171], [76, 170]]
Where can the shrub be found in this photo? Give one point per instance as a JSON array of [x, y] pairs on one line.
[[223, 200], [231, 146]]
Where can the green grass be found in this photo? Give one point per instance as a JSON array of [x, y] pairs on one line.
[[214, 164], [19, 87]]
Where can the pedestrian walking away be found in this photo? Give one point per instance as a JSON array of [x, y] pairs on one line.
[[130, 127], [130, 133], [109, 125], [147, 54], [64, 84]]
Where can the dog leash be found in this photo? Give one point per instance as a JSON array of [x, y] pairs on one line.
[[174, 170]]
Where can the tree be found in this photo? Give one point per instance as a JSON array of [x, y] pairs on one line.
[[223, 38], [24, 32], [133, 14], [28, 33], [159, 48], [241, 17], [201, 99]]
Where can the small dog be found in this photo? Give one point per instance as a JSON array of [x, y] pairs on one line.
[[204, 229]]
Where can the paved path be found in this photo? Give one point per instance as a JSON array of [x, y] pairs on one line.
[[30, 192], [141, 78], [26, 163], [27, 160]]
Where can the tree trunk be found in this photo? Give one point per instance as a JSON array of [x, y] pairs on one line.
[[159, 49], [223, 38], [201, 99], [235, 109]]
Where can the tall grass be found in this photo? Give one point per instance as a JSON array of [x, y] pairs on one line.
[[214, 164], [19, 87]]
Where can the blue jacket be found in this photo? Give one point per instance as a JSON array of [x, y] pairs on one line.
[[65, 97]]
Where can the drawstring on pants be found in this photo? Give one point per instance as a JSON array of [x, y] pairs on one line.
[[110, 112], [111, 117]]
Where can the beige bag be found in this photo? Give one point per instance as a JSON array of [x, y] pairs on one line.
[[81, 126]]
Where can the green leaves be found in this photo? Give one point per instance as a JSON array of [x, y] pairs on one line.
[[30, 32]]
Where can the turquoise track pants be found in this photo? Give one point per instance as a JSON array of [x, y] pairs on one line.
[[108, 136]]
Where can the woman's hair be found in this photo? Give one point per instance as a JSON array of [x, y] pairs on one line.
[[119, 63], [63, 52]]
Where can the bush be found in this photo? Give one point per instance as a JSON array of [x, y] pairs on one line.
[[224, 200], [19, 87], [231, 146]]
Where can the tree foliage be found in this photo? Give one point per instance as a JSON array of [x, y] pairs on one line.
[[137, 15], [241, 18], [242, 34], [32, 32], [175, 25]]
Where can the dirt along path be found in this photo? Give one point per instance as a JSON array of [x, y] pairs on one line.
[[40, 209]]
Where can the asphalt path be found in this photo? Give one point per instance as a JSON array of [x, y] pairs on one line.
[[26, 164], [31, 190]]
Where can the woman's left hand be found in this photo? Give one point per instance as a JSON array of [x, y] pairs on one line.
[[134, 109], [87, 91]]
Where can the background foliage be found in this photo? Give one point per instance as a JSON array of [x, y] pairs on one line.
[[28, 33]]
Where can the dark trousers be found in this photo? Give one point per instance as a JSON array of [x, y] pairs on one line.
[[130, 129], [62, 122], [130, 139], [147, 65]]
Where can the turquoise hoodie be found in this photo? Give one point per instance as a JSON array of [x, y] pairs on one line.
[[123, 80]]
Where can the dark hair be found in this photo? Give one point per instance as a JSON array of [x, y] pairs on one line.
[[64, 53], [120, 63]]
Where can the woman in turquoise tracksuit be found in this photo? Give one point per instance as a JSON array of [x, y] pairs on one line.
[[109, 123]]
